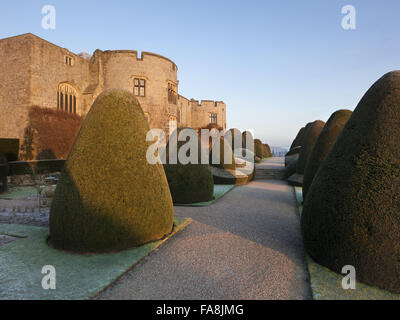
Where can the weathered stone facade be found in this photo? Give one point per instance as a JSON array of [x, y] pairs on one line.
[[35, 72]]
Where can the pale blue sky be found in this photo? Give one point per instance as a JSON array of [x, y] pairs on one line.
[[276, 64]]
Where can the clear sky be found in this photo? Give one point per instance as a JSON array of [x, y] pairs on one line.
[[276, 64]]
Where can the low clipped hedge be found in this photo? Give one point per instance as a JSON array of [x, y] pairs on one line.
[[10, 148], [109, 197], [36, 166], [3, 172]]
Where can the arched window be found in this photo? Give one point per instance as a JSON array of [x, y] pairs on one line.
[[66, 98]]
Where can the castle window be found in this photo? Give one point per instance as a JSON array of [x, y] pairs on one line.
[[61, 100], [70, 103], [213, 118], [172, 95], [139, 87], [66, 98], [69, 60]]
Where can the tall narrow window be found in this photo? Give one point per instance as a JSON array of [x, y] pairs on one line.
[[139, 87], [69, 60], [213, 118], [67, 98], [66, 102], [172, 95]]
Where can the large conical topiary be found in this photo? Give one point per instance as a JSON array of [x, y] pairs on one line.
[[268, 152], [297, 142], [109, 197], [311, 134], [189, 182], [351, 215], [324, 143]]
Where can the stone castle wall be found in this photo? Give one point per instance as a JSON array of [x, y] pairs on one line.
[[201, 113], [15, 79], [33, 70]]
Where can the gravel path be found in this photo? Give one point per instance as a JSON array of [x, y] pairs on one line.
[[245, 246]]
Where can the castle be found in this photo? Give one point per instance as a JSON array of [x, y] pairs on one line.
[[35, 72]]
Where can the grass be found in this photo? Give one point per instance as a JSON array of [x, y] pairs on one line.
[[327, 285], [78, 277], [14, 193], [219, 191]]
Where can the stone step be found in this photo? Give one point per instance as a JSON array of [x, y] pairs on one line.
[[269, 174]]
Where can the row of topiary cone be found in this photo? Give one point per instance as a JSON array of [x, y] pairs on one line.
[[351, 186], [110, 197]]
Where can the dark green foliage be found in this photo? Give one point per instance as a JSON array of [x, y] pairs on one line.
[[10, 148], [189, 183], [311, 134], [3, 172], [290, 168], [37, 166], [292, 155], [109, 197], [324, 143], [351, 215], [294, 151], [297, 142], [268, 152]]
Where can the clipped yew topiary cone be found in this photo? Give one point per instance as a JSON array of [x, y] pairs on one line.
[[351, 215], [258, 148], [311, 134], [109, 197], [297, 142], [324, 143], [191, 182], [268, 151]]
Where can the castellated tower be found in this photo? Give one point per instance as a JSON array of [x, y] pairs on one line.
[[35, 72]]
